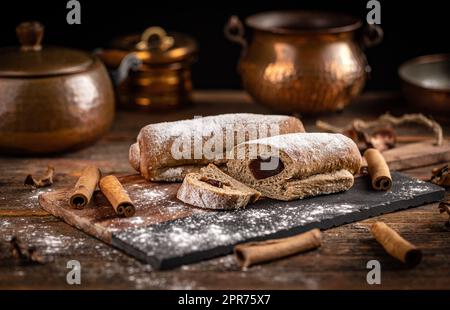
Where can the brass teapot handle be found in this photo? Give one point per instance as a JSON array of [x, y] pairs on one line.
[[235, 32], [119, 63], [163, 42]]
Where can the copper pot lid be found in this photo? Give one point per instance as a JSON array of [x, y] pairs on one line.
[[156, 46], [31, 59]]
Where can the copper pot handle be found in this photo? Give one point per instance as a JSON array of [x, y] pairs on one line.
[[372, 35], [164, 41], [235, 32]]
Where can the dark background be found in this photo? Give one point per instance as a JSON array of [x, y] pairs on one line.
[[412, 28]]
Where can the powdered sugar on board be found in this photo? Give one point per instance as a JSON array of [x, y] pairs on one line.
[[210, 234], [159, 196], [154, 202]]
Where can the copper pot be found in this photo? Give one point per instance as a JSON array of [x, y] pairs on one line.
[[51, 98], [300, 61]]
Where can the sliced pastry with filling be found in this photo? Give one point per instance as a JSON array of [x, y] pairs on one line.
[[168, 151], [213, 189], [296, 166]]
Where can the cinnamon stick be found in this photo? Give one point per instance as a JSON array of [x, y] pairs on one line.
[[117, 196], [252, 253], [85, 187], [378, 170], [395, 245]]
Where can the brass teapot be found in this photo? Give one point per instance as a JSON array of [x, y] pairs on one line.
[[163, 80], [303, 61]]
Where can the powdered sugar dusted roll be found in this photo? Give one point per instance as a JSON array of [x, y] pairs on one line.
[[294, 166], [213, 189], [168, 151]]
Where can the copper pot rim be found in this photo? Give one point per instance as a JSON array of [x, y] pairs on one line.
[[314, 22], [425, 59]]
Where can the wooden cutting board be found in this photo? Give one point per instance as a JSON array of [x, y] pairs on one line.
[[167, 233], [414, 155]]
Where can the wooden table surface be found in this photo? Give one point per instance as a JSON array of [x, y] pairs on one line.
[[339, 264]]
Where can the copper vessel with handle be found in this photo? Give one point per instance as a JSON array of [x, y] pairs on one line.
[[301, 61], [163, 79]]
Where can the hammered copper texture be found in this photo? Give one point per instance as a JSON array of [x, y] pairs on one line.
[[303, 73], [434, 101], [55, 113]]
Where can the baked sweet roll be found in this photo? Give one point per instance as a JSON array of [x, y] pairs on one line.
[[295, 166], [211, 188], [168, 151]]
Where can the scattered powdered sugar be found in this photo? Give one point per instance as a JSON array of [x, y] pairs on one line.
[[210, 137], [218, 229], [142, 277], [153, 194], [51, 243], [4, 223], [161, 198], [312, 152], [325, 141], [172, 173], [136, 220], [213, 233], [410, 188], [42, 236], [143, 195], [36, 192], [207, 126], [33, 197]]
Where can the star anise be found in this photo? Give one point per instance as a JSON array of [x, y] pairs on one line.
[[441, 176]]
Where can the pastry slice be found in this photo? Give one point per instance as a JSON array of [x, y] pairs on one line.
[[296, 166], [213, 189]]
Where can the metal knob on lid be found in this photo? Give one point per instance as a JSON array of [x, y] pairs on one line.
[[30, 35], [31, 59]]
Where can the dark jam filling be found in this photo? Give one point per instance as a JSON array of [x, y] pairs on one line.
[[262, 171], [212, 182]]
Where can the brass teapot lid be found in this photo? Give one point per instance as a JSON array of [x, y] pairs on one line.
[[156, 46], [31, 59]]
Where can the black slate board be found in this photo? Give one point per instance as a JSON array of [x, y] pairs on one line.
[[206, 235]]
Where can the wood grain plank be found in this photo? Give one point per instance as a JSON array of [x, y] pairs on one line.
[[416, 155], [340, 263]]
